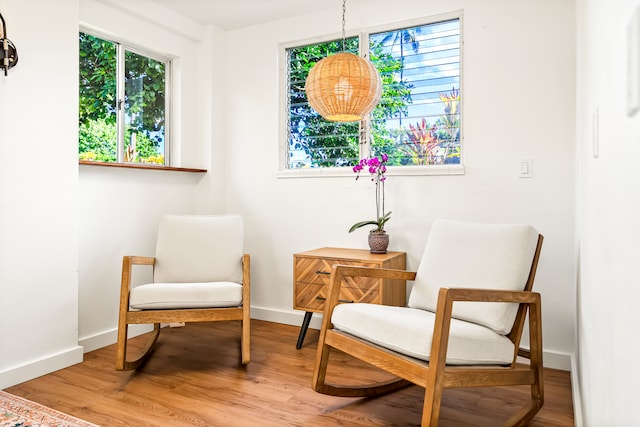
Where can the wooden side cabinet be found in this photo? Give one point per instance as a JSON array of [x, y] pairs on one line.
[[312, 270]]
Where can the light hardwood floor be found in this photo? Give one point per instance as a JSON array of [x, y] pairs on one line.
[[195, 378]]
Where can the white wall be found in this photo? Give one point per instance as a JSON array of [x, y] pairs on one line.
[[608, 210], [519, 102], [39, 192], [120, 208]]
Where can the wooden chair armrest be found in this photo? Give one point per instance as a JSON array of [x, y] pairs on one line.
[[490, 295], [378, 273], [128, 261], [139, 260]]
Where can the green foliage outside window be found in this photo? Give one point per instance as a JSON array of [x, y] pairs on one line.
[[97, 79], [330, 143], [417, 121], [325, 143], [143, 104]]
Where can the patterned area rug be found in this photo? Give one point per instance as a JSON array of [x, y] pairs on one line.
[[16, 411]]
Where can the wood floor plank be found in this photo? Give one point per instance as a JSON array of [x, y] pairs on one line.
[[195, 378]]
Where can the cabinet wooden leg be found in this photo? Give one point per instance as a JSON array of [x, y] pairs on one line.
[[303, 328]]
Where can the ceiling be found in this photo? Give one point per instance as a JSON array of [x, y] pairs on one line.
[[234, 14]]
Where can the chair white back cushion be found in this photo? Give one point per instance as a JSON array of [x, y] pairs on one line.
[[199, 248], [471, 255]]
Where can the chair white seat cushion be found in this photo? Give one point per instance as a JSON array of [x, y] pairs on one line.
[[157, 296], [410, 330]]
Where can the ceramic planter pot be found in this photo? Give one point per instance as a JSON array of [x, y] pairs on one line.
[[378, 242]]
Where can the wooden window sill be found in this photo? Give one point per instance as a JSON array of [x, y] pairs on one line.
[[141, 166]]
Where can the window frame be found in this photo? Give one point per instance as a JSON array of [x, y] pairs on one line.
[[123, 46], [363, 35]]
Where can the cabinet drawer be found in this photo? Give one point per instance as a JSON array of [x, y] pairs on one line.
[[318, 271], [311, 296]]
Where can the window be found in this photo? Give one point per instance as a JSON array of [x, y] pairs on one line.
[[123, 112], [417, 122]]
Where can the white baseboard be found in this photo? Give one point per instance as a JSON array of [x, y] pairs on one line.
[[575, 393], [287, 317], [556, 360], [37, 368], [109, 337]]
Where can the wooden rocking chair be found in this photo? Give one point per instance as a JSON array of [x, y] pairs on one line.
[[488, 271], [200, 274]]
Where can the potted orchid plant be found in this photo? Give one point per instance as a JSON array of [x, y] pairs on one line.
[[378, 238]]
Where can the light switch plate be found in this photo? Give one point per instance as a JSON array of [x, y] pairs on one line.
[[526, 168]]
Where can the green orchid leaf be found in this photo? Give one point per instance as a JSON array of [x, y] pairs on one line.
[[379, 223], [362, 224]]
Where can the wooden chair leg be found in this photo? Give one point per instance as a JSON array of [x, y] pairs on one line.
[[432, 401], [537, 400], [245, 341], [245, 322], [527, 413], [320, 368], [121, 346], [121, 352]]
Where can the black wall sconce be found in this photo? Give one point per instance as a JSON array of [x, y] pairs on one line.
[[8, 51]]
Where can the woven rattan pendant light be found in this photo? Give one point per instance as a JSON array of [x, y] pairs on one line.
[[343, 87]]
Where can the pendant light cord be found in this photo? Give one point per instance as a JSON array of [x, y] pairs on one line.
[[344, 12]]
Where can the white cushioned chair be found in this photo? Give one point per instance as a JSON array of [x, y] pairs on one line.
[[200, 274], [462, 324]]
